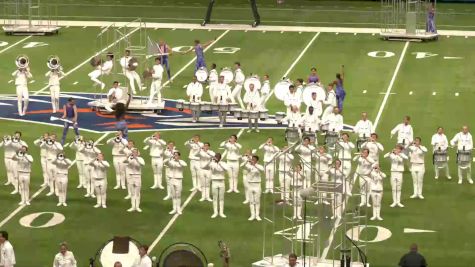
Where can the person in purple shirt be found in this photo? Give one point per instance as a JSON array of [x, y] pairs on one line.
[[70, 112], [430, 24], [313, 78], [200, 53], [340, 91]]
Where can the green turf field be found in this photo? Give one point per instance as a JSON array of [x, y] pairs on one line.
[[432, 90]]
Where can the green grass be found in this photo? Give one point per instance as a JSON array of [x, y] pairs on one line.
[[446, 209]]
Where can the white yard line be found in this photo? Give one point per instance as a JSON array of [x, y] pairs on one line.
[[89, 59], [175, 217], [295, 62], [12, 45], [36, 194], [376, 121]]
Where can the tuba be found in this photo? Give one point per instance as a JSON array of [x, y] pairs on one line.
[[133, 64], [53, 63], [22, 62], [96, 61]]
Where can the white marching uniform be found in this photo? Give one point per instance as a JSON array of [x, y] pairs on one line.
[[464, 142], [99, 175], [292, 99], [132, 75], [298, 181], [245, 158], [397, 169], [194, 148], [65, 260], [10, 149], [310, 122], [194, 91], [118, 157], [61, 178], [117, 95], [43, 158], [104, 69], [7, 255], [374, 149], [405, 134], [265, 91], [52, 152], [205, 156], [133, 170], [252, 99], [156, 146], [330, 99], [334, 122], [218, 171], [156, 85], [254, 180], [439, 142], [322, 165], [239, 81], [21, 83], [175, 170], [345, 155], [416, 157], [168, 155], [144, 261], [212, 81], [363, 170], [305, 153], [269, 164], [376, 185], [54, 87], [232, 160], [363, 128], [337, 176], [326, 112], [222, 94], [90, 154], [24, 170], [293, 119], [317, 106], [77, 146], [285, 174]]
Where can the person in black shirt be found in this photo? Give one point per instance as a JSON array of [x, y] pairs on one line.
[[413, 258]]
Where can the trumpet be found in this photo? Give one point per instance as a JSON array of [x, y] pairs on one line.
[[22, 62], [15, 139], [53, 63], [78, 139], [89, 144], [20, 153], [7, 138], [60, 156], [49, 141], [117, 139]]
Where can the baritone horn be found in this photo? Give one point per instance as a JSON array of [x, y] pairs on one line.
[[22, 62], [133, 64], [96, 61], [53, 63]]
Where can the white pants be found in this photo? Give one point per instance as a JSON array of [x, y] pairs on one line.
[[119, 167], [10, 166], [54, 92], [233, 174], [467, 169], [100, 186], [396, 186], [298, 202], [195, 171], [269, 173], [43, 161], [135, 185], [236, 94], [133, 77], [51, 173], [94, 75], [376, 197], [88, 179], [307, 173], [205, 182], [217, 188], [337, 205], [155, 88], [212, 87], [346, 168], [24, 186], [157, 168], [284, 181], [22, 95], [438, 166], [255, 192], [62, 185], [81, 172], [176, 187], [364, 189], [417, 172]]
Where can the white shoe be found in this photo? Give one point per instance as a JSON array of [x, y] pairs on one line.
[[123, 187], [65, 205], [14, 192], [251, 218], [172, 212], [209, 199], [236, 191], [166, 198], [258, 218], [257, 130], [393, 205], [93, 196], [104, 206], [192, 189], [79, 186], [249, 130], [449, 177], [50, 194], [161, 187], [413, 196], [437, 177], [421, 196], [470, 181], [400, 205], [332, 217], [373, 218], [245, 202], [326, 202], [214, 215], [116, 187], [299, 217], [361, 204], [154, 187], [138, 209], [460, 181], [379, 218], [202, 199], [87, 195], [127, 197], [97, 206], [59, 204], [8, 183], [178, 212], [131, 209], [222, 215], [368, 205], [229, 191]]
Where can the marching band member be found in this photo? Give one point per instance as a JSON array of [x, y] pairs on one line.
[[21, 82], [115, 94], [65, 257], [133, 170], [54, 76], [340, 91], [195, 145], [62, 165], [345, 148], [199, 52], [6, 250], [285, 175], [43, 156], [313, 77], [205, 155], [310, 121], [120, 112], [168, 155], [157, 146], [265, 90], [53, 148], [118, 144], [291, 99], [232, 148], [24, 161], [245, 158], [316, 104], [70, 113], [165, 51], [254, 171], [416, 157], [194, 91], [239, 81], [218, 170], [397, 168], [373, 146], [440, 144], [144, 260], [363, 170], [405, 133], [299, 88], [253, 104], [9, 152], [222, 96], [156, 85], [99, 175], [322, 165], [270, 150], [212, 82], [77, 145], [102, 69], [16, 145], [464, 142], [337, 176], [127, 151], [334, 121], [129, 72], [90, 152], [364, 129], [298, 181], [330, 99], [293, 118], [376, 185], [305, 150], [176, 166]]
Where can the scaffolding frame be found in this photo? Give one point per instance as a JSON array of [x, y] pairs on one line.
[[29, 17]]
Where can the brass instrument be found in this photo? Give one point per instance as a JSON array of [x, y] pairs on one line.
[[96, 61], [53, 63], [15, 139], [22, 62], [133, 64], [147, 74], [7, 138], [60, 156], [50, 142]]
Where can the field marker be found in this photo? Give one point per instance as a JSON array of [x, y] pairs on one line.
[[191, 30], [173, 29], [364, 91], [14, 44], [410, 93], [376, 121], [263, 31], [10, 81], [76, 82], [295, 62], [383, 93], [373, 34], [89, 59], [209, 30], [453, 57], [355, 33], [32, 81], [84, 27], [434, 93], [413, 231], [456, 94], [336, 33]]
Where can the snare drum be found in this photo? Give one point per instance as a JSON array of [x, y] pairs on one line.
[[331, 138], [215, 107], [360, 142], [245, 114], [253, 114], [263, 114], [195, 106], [440, 157], [279, 116], [201, 75], [464, 157], [186, 105], [223, 108], [292, 135], [238, 114], [228, 75], [310, 135], [206, 106], [233, 106], [180, 104]]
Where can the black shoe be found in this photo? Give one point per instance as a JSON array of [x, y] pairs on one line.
[[255, 24]]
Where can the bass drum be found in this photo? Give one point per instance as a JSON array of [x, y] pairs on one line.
[[201, 75], [252, 80], [281, 89], [228, 75], [313, 88]]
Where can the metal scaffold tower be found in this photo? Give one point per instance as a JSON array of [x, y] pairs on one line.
[[29, 17]]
